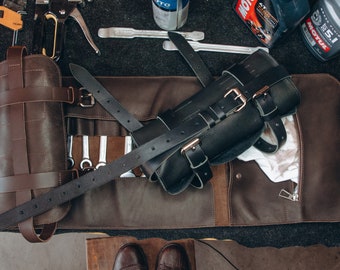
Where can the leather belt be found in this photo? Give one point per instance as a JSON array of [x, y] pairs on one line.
[[104, 98], [192, 58]]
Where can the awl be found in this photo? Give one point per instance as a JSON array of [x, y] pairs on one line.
[[126, 32], [198, 46]]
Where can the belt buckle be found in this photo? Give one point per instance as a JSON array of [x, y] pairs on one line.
[[240, 96], [86, 99]]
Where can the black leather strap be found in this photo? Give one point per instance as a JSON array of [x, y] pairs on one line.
[[259, 91], [199, 163], [105, 174], [192, 58], [104, 98], [251, 86]]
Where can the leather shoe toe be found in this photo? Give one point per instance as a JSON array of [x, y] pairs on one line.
[[130, 257], [172, 257]]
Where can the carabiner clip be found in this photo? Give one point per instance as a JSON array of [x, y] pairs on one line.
[[50, 16]]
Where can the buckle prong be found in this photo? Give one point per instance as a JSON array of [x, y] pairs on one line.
[[240, 96]]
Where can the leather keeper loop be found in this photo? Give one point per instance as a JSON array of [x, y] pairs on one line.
[[37, 94]]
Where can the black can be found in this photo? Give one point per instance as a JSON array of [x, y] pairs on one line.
[[321, 29]]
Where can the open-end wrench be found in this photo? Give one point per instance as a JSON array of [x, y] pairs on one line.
[[198, 46], [86, 162], [127, 149], [126, 32], [102, 151], [70, 160]]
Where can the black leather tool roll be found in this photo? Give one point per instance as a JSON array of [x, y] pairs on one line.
[[246, 100]]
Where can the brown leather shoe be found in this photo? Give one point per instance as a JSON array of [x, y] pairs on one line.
[[172, 257], [130, 257]]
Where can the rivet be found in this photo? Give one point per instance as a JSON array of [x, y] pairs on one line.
[[238, 176]]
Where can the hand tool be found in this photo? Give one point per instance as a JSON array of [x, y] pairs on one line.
[[15, 33], [128, 149], [124, 32], [57, 11], [86, 162], [70, 160], [198, 46], [102, 151], [10, 18]]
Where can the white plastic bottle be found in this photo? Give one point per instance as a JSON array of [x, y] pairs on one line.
[[170, 14]]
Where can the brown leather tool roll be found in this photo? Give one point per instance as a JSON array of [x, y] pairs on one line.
[[32, 136], [240, 194]]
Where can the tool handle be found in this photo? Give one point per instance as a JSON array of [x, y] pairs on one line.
[[10, 19], [224, 48], [126, 32], [197, 46], [76, 15]]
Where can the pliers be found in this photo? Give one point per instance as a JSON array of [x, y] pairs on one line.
[[57, 12]]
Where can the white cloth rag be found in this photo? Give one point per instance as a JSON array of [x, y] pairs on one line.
[[282, 165]]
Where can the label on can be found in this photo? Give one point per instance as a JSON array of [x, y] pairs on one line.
[[260, 17], [320, 33], [170, 14], [169, 5]]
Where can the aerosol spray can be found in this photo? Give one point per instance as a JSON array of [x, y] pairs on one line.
[[321, 29], [170, 14]]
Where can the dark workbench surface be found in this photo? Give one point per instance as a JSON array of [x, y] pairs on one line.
[[145, 57]]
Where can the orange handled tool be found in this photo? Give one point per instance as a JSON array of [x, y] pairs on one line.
[[10, 18]]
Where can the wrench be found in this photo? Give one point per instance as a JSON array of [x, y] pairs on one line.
[[126, 32], [86, 162], [198, 46], [127, 149], [70, 160], [102, 151]]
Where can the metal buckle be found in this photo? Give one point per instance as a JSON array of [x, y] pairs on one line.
[[86, 99], [239, 95], [190, 145], [261, 92]]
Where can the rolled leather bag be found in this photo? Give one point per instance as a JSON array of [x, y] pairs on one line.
[[32, 137], [247, 100]]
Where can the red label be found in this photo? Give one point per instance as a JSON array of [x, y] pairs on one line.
[[246, 9], [316, 36]]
